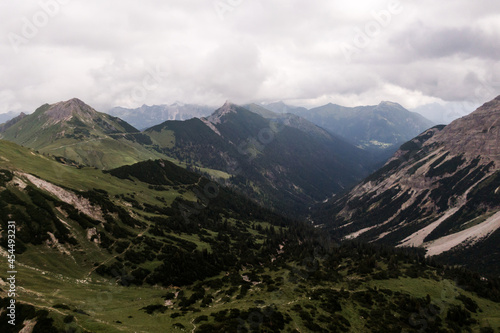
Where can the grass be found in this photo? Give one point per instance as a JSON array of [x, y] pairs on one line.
[[47, 277], [23, 159], [165, 138], [443, 294], [472, 223], [104, 153], [113, 308]]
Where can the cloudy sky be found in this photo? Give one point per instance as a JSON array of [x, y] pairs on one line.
[[128, 53]]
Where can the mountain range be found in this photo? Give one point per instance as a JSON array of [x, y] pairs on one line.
[[200, 225], [149, 116], [242, 149], [259, 156], [378, 127], [440, 191], [152, 247]]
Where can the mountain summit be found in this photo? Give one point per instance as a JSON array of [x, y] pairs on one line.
[[475, 134], [76, 131], [219, 114], [283, 164], [440, 191], [65, 111]]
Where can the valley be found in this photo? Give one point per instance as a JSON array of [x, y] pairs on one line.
[[173, 243]]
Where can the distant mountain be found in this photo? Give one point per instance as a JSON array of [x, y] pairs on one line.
[[379, 127], [11, 122], [281, 107], [4, 117], [440, 191], [148, 116], [291, 120], [272, 161], [77, 132]]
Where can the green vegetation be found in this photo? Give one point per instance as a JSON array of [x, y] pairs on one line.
[[259, 158], [152, 247], [78, 132], [448, 167]]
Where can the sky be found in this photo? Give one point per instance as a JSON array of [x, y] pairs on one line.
[[426, 55]]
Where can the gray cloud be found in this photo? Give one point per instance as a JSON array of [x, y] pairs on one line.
[[464, 42], [127, 53]]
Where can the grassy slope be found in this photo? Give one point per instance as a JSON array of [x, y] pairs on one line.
[[113, 308], [15, 157], [105, 153], [95, 147], [46, 277]]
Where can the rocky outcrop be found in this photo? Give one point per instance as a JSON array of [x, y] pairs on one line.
[[12, 122], [440, 190], [218, 115]]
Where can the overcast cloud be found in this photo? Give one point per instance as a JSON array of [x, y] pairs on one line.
[[128, 53]]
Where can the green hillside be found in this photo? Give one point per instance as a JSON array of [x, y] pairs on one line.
[[382, 127], [77, 132], [155, 248], [286, 165]]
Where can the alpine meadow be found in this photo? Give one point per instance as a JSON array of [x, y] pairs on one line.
[[250, 166]]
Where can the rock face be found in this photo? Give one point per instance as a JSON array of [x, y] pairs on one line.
[[440, 191], [65, 111], [476, 134], [217, 117], [12, 122]]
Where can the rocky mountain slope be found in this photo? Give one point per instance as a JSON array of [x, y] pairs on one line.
[[77, 132], [285, 164], [11, 122], [379, 127], [5, 117], [152, 247], [149, 116], [440, 191]]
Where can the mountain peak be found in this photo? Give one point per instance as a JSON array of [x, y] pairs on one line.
[[227, 108], [388, 103], [64, 111], [475, 134], [12, 122], [391, 105], [75, 101], [178, 103]]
